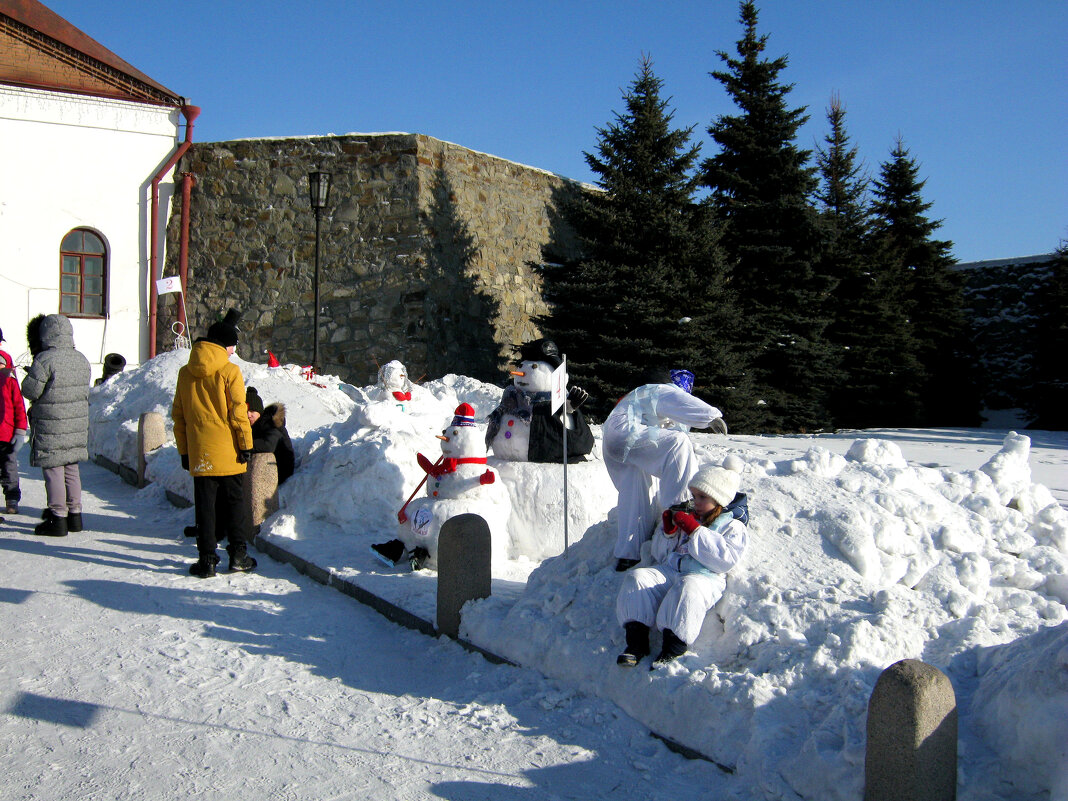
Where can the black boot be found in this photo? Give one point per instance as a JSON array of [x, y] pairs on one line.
[[637, 644], [240, 561], [52, 526], [418, 558], [389, 552], [671, 650], [204, 567], [74, 522]]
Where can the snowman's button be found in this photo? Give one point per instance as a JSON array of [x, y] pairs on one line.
[[511, 422], [508, 434]]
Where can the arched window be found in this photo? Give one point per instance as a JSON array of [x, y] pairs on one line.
[[83, 273]]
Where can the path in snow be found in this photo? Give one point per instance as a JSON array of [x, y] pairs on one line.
[[122, 677]]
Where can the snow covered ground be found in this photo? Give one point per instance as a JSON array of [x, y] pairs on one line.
[[866, 548]]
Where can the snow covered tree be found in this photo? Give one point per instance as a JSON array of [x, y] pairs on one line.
[[649, 261], [868, 328], [761, 188], [930, 294]]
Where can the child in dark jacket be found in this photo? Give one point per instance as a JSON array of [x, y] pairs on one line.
[[13, 427], [269, 434]]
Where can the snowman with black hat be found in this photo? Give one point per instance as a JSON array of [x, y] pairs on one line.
[[523, 428], [459, 482]]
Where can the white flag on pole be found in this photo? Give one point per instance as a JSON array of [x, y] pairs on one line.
[[170, 284], [558, 391]]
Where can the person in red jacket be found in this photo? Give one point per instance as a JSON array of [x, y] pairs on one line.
[[13, 428]]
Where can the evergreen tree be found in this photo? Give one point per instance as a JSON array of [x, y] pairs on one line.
[[868, 327], [1049, 370], [649, 260], [931, 294], [761, 187]]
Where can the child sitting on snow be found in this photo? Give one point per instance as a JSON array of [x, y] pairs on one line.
[[697, 543]]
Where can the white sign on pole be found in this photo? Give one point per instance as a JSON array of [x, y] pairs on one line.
[[167, 285], [558, 389]]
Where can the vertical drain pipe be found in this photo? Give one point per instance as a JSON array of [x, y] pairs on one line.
[[190, 113]]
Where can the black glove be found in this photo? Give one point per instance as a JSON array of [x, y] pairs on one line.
[[577, 396], [185, 461], [243, 457]]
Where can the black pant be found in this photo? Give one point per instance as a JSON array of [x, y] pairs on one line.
[[217, 496], [9, 474]]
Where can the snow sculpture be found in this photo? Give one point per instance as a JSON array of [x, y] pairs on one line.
[[458, 482], [522, 428]]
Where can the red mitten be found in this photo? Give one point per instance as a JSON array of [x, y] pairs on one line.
[[426, 464], [686, 521], [669, 525], [487, 478]]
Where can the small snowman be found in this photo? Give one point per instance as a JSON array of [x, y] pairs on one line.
[[522, 428], [459, 482], [393, 384]]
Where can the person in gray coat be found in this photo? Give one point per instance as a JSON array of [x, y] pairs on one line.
[[57, 388]]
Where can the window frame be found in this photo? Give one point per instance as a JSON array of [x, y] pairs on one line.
[[85, 257]]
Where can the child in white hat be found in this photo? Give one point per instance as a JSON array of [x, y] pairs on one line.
[[697, 543]]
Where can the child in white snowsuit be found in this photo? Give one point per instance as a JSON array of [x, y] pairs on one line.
[[694, 547], [646, 447]]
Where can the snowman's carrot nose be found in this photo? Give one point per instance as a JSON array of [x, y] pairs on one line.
[[442, 438], [516, 372]]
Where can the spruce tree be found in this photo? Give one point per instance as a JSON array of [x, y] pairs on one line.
[[931, 294], [1048, 379], [868, 327], [761, 187], [649, 260]]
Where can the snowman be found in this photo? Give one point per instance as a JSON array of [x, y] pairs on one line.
[[522, 428], [458, 482], [393, 385]]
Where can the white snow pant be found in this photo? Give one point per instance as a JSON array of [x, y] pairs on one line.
[[672, 460], [671, 600]]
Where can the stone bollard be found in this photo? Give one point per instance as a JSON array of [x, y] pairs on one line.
[[151, 434], [464, 552], [261, 488], [912, 735]]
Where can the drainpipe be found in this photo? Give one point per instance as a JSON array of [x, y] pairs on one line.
[[188, 182], [190, 113]]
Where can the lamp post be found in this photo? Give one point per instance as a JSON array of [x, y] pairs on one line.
[[319, 194]]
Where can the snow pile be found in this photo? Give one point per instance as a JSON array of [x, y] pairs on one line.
[[858, 558]]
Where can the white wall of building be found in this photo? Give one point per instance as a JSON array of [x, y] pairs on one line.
[[71, 161]]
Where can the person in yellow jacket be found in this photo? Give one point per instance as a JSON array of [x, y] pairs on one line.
[[214, 441]]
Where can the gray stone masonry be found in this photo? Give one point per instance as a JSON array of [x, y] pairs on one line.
[[464, 555], [425, 252], [912, 735]]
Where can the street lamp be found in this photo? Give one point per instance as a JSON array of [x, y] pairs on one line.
[[319, 194]]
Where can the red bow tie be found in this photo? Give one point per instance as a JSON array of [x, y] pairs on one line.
[[402, 396]]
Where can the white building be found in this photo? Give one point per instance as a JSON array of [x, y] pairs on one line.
[[84, 140]]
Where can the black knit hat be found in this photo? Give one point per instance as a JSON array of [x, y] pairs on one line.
[[224, 332], [254, 401]]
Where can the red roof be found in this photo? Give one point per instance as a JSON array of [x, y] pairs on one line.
[[34, 15]]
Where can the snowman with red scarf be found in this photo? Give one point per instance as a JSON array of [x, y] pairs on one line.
[[393, 385], [459, 482]]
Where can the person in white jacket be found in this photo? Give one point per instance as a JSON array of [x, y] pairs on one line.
[[649, 456], [696, 545]]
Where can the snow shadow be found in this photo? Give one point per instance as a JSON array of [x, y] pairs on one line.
[[62, 711]]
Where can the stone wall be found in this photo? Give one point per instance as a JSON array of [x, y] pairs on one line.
[[425, 252]]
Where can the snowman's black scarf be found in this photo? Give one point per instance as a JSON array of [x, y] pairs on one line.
[[515, 402]]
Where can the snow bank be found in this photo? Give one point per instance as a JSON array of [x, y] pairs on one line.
[[858, 558]]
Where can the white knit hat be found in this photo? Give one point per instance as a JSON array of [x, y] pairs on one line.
[[717, 483]]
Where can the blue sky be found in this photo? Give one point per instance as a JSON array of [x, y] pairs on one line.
[[977, 89]]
